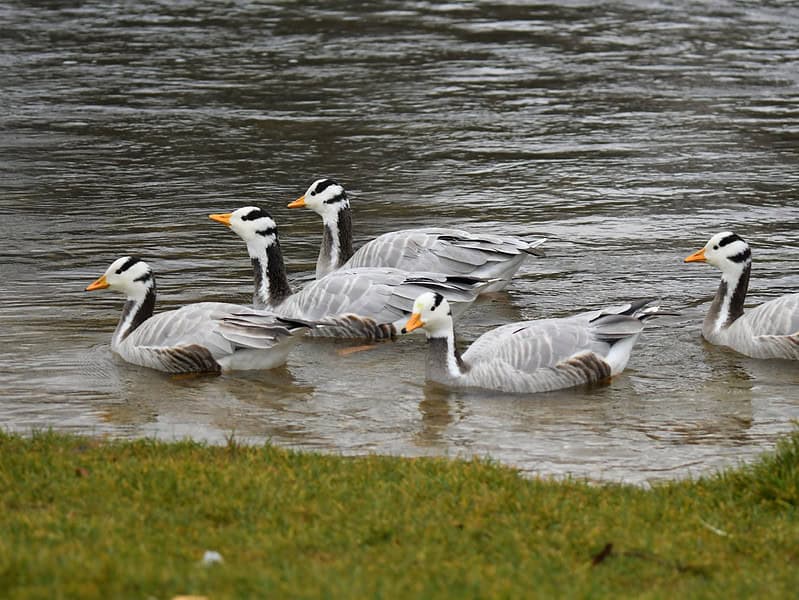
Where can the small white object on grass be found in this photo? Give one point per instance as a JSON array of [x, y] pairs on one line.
[[211, 557]]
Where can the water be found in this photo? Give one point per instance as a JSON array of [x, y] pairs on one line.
[[626, 133]]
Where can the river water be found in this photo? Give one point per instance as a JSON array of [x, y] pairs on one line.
[[626, 133]]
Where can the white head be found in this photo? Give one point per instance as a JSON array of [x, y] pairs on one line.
[[128, 275], [725, 251], [431, 311], [326, 197], [252, 224]]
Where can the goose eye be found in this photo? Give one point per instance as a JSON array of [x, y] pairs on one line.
[[716, 247], [313, 193]]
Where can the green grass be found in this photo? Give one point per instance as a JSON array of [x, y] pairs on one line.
[[83, 518]]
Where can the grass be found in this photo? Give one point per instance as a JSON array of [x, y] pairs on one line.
[[86, 518]]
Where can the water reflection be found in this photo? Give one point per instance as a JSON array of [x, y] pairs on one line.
[[626, 134]]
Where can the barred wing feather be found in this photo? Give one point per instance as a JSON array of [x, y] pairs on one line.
[[449, 251]]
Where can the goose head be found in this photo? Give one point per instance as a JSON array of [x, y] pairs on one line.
[[431, 311], [326, 197], [128, 275], [252, 224], [725, 251]]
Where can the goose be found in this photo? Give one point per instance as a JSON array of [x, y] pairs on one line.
[[432, 249], [530, 356], [364, 303], [770, 330], [202, 337]]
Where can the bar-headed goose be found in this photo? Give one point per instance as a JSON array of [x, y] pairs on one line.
[[433, 249], [201, 337], [530, 356], [770, 330], [364, 303]]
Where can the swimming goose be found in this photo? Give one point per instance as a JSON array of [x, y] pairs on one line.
[[365, 303], [770, 330], [530, 356], [201, 337], [433, 249]]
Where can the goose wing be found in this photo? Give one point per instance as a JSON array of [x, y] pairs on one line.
[[192, 324], [775, 317], [770, 330], [537, 356], [362, 292], [259, 330], [549, 354], [546, 342], [442, 250], [198, 336], [381, 294], [531, 345]]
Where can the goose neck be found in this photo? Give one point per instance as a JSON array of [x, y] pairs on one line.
[[336, 242], [728, 303], [445, 363], [271, 284], [135, 312]]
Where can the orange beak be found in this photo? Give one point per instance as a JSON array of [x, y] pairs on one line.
[[698, 256], [98, 284], [221, 218], [298, 203], [415, 322]]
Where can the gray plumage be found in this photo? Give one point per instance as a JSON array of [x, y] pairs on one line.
[[449, 251], [531, 356], [363, 303], [762, 332], [770, 330], [453, 252], [201, 337], [374, 296]]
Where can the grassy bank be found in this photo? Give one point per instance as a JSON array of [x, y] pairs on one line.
[[92, 519]]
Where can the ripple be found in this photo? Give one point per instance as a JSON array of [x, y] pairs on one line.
[[627, 135]]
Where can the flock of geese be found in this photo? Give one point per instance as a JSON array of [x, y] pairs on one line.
[[419, 280]]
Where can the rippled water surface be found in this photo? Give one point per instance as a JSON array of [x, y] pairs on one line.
[[626, 133]]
